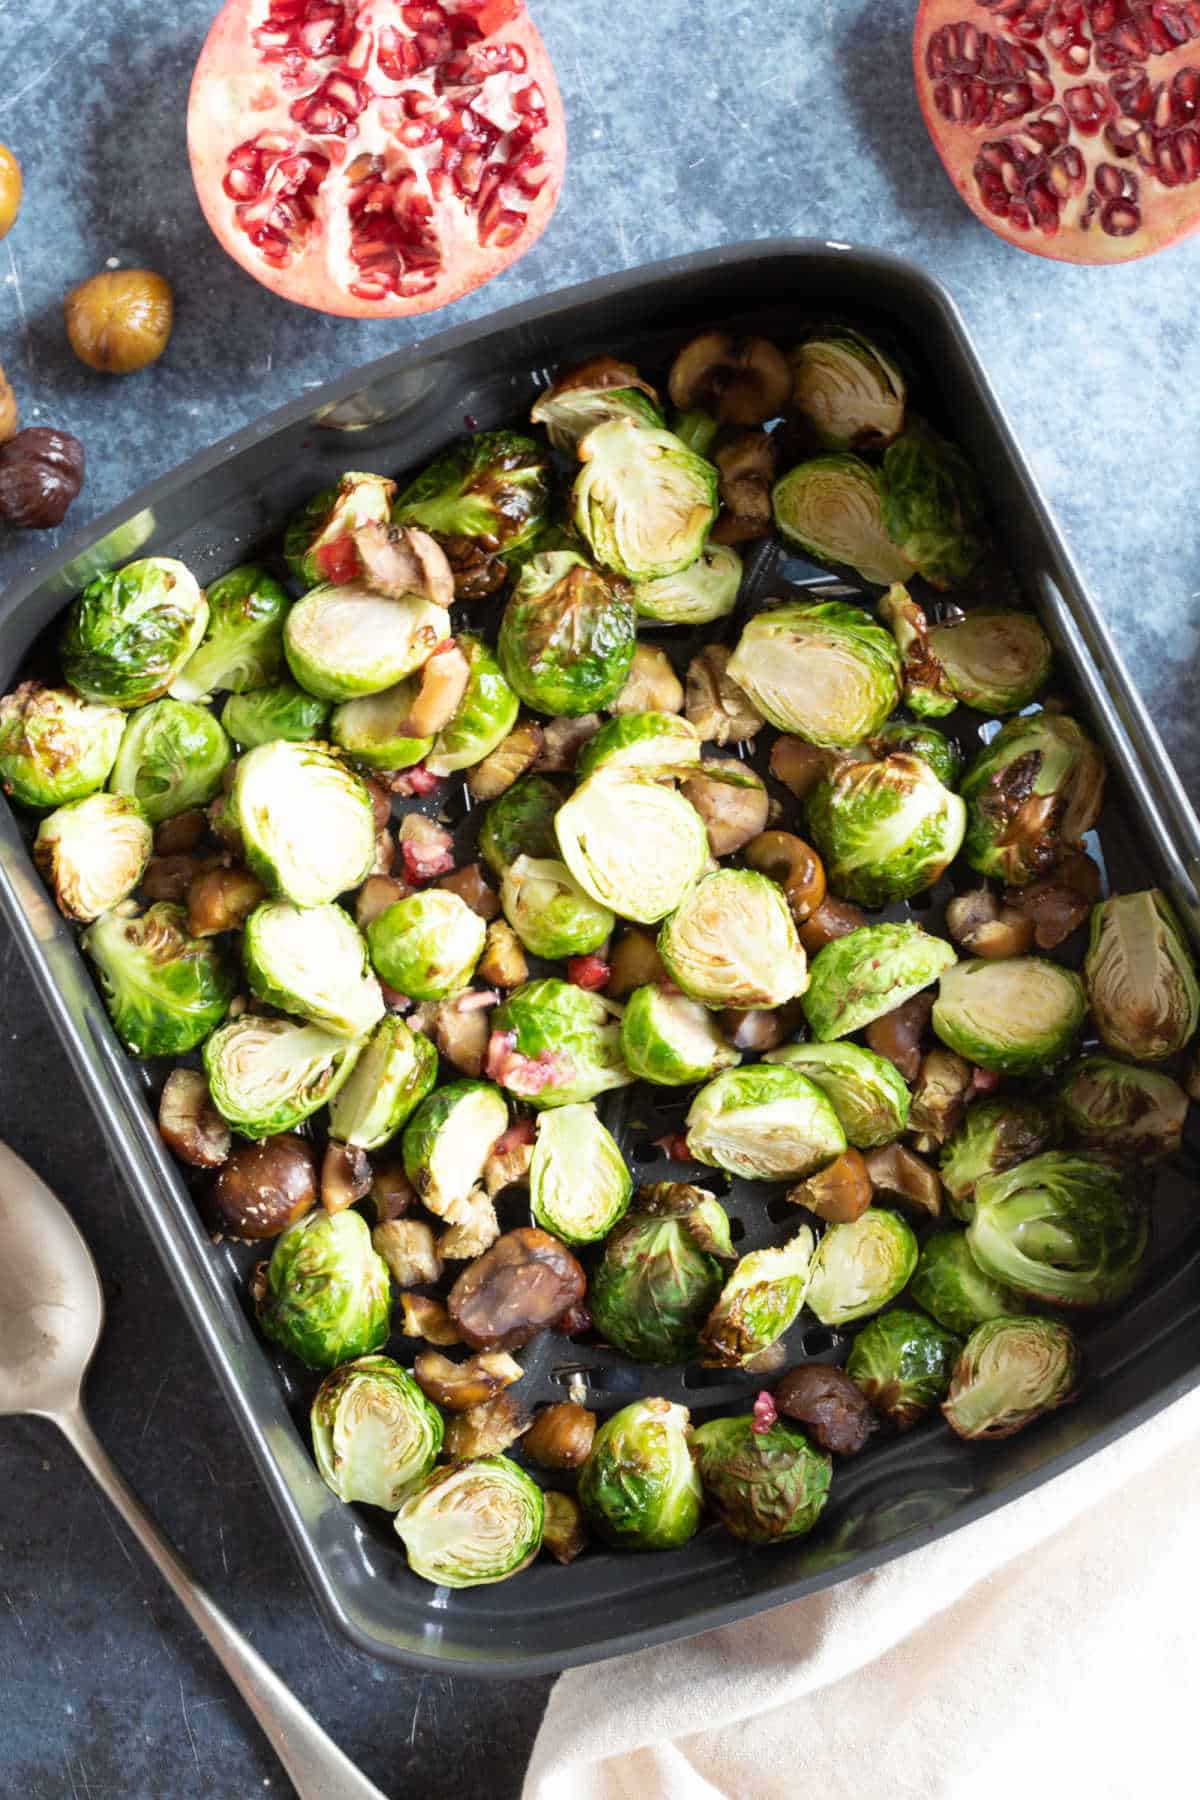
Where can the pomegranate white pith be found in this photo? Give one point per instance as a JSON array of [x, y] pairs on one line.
[[375, 157], [1070, 127]]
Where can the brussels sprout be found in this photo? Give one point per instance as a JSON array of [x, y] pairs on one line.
[[954, 1290], [885, 830], [549, 911], [305, 819], [661, 1273], [940, 752], [903, 1362], [318, 544], [759, 1302], [925, 691], [764, 1486], [172, 757], [822, 670], [554, 1043], [266, 1075], [764, 1123], [374, 732], [995, 1135], [634, 844], [472, 1523], [344, 641], [396, 1069], [659, 741], [93, 852], [671, 1040], [1141, 977], [280, 711], [520, 823], [486, 714], [706, 590], [567, 636], [55, 747], [643, 501], [1011, 1371], [164, 989], [995, 659], [849, 391], [831, 508], [1112, 1106], [447, 1140], [327, 1296], [860, 1266], [867, 1092], [242, 646], [1031, 794], [1015, 1017], [639, 1486], [931, 506], [312, 961], [579, 1187], [131, 632], [732, 942], [1065, 1227], [427, 945], [491, 488], [599, 390], [869, 972], [374, 1433]]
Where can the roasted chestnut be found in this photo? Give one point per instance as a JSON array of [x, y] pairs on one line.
[[189, 1123], [345, 1176], [823, 1398], [119, 320], [525, 1282], [897, 1035], [267, 1186], [41, 471], [560, 1436], [839, 1193], [458, 1386]]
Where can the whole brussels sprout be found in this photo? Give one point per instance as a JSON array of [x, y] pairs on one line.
[[995, 659], [280, 711], [849, 391], [639, 1487], [867, 1092], [344, 641], [885, 830], [374, 731], [932, 746], [472, 1523], [1015, 1017], [374, 1433], [1111, 1105], [706, 590], [732, 942], [549, 911], [486, 714], [647, 740], [821, 670], [759, 1302], [164, 989], [995, 1135], [492, 488], [306, 821], [55, 747], [869, 972], [579, 1186], [1011, 1371], [242, 646], [318, 544], [661, 1273], [642, 500], [427, 945], [605, 832], [764, 1123], [131, 632], [764, 1486], [859, 1267], [327, 1296], [954, 1290], [903, 1362], [831, 508], [1031, 794], [1141, 977], [590, 395], [567, 635], [447, 1142], [1066, 1228], [267, 1075], [172, 757], [520, 823], [671, 1040], [931, 506], [554, 1043], [392, 1075], [312, 961], [93, 853]]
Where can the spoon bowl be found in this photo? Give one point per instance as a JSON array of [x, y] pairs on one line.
[[51, 1302]]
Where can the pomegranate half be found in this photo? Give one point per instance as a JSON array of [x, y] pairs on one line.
[[1070, 127], [375, 157]]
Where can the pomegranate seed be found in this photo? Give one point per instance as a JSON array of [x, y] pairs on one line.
[[764, 1413], [413, 134], [590, 972], [1119, 219]]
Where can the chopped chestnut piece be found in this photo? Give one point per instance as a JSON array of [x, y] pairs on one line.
[[428, 1319], [169, 877], [267, 1186], [823, 1398], [795, 865], [840, 1193], [721, 712], [461, 1032], [177, 836], [733, 811], [525, 1282], [457, 1386], [474, 1232], [799, 766], [407, 1247], [900, 1175], [444, 680], [651, 685], [345, 1176], [939, 1100], [392, 1193], [633, 962], [563, 739], [510, 1156], [468, 883], [507, 762], [741, 380], [189, 1123], [385, 853], [381, 801], [897, 1035], [565, 1533], [222, 900], [485, 1430], [982, 927], [745, 462], [767, 1361], [762, 1028], [832, 919], [1054, 908], [376, 894], [477, 573], [561, 1435], [399, 560], [503, 963]]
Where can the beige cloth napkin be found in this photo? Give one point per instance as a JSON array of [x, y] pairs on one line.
[[1052, 1649]]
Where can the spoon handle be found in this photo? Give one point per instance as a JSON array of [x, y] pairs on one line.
[[318, 1769]]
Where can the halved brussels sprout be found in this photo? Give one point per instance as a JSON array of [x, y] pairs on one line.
[[764, 1123], [486, 714], [427, 945], [164, 989], [567, 636], [903, 1362], [520, 823], [661, 1273], [705, 590], [759, 1302], [328, 1295], [579, 1187], [869, 972], [940, 752], [93, 852], [318, 544], [447, 1141], [55, 747], [1016, 1017], [954, 1290], [312, 961], [924, 686], [305, 819], [491, 488], [374, 1434], [764, 1486], [642, 499], [554, 1043], [867, 1092], [590, 395], [995, 1135], [242, 646], [344, 641], [472, 1523], [267, 1075], [732, 942], [885, 830], [659, 741], [396, 1069], [374, 732], [171, 758], [549, 911], [669, 1039], [860, 1266], [931, 505], [1141, 977], [1111, 1105], [1011, 1371], [131, 632], [849, 391], [822, 670], [1066, 1228], [831, 508], [639, 1486], [280, 711], [1031, 794], [633, 843], [996, 660]]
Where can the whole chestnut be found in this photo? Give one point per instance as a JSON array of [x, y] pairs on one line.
[[41, 471], [8, 410], [822, 1397], [119, 320], [525, 1282], [10, 189], [560, 1436], [267, 1186]]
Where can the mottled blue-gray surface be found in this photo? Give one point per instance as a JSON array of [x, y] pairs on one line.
[[693, 122]]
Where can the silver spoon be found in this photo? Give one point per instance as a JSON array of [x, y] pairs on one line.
[[51, 1314]]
